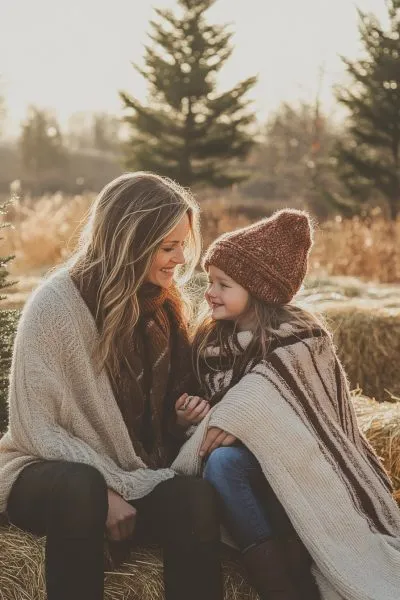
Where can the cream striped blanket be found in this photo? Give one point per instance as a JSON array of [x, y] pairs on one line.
[[294, 413]]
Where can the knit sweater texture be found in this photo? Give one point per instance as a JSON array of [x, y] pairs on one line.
[[294, 413], [60, 407]]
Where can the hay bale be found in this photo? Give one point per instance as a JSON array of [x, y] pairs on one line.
[[22, 572], [365, 321], [367, 338], [380, 422]]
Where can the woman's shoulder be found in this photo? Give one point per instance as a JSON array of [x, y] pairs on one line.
[[53, 302]]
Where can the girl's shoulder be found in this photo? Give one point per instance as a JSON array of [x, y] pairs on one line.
[[300, 349], [289, 334]]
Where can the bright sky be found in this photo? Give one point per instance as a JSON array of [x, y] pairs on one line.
[[74, 55]]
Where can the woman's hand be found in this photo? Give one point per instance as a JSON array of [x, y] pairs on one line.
[[216, 437], [121, 518], [190, 410]]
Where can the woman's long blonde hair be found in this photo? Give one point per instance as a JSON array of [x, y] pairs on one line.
[[267, 321], [127, 223]]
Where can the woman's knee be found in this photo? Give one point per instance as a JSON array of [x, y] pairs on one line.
[[227, 462], [79, 502], [205, 513], [193, 512]]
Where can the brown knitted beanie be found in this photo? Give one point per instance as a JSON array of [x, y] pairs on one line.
[[270, 258]]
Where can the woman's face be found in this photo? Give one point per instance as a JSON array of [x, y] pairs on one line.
[[169, 255]]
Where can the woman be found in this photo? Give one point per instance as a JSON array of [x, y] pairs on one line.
[[99, 361]]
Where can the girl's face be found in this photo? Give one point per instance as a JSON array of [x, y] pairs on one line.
[[227, 299], [169, 255]]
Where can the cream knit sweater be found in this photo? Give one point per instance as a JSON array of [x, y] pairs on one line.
[[295, 415], [60, 407]]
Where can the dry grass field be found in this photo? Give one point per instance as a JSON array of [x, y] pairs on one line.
[[45, 230]]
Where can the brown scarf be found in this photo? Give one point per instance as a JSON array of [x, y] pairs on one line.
[[155, 370]]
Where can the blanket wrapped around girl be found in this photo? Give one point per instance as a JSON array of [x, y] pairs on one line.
[[281, 416]]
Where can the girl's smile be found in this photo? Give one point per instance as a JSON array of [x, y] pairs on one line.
[[226, 298]]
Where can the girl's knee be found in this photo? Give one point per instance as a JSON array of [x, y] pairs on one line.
[[226, 461]]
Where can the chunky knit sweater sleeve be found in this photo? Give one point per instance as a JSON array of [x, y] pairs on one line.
[[38, 415], [60, 408]]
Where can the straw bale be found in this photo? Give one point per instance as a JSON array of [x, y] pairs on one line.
[[365, 321], [380, 422], [368, 344], [140, 578], [366, 333]]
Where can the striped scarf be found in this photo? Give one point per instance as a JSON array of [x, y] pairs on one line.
[[294, 413]]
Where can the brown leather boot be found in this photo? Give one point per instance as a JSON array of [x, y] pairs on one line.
[[269, 571], [300, 563]]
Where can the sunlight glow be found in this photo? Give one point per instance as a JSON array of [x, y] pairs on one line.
[[76, 55]]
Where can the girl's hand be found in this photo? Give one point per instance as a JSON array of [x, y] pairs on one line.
[[121, 518], [216, 437], [190, 410]]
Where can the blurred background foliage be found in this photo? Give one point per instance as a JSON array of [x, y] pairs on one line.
[[207, 139]]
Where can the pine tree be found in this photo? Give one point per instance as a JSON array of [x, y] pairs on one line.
[[294, 161], [41, 143], [188, 131], [369, 156], [8, 323]]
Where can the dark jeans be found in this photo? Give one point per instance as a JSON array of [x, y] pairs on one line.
[[67, 502], [250, 510]]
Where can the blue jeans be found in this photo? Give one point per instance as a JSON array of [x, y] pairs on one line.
[[250, 510]]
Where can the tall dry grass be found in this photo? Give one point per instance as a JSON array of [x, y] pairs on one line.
[[45, 231], [365, 247]]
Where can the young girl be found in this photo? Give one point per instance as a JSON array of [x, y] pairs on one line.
[[282, 414]]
